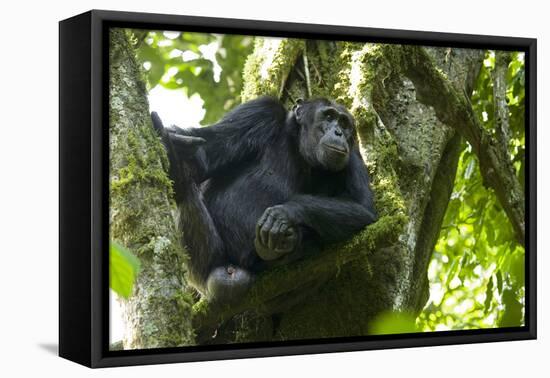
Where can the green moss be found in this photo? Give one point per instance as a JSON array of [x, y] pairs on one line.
[[365, 64], [200, 308], [142, 165], [263, 77], [323, 59], [177, 310], [387, 227]]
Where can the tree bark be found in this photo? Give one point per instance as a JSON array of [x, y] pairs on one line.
[[158, 314], [502, 119]]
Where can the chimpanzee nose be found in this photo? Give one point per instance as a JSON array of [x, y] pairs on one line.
[[338, 132]]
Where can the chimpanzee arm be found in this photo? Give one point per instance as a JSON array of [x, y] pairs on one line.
[[337, 218], [241, 134]]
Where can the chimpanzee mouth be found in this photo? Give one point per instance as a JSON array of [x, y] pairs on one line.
[[337, 149]]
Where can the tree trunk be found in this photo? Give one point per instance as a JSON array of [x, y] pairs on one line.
[[158, 314]]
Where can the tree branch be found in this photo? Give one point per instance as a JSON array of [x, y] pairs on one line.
[[502, 120], [306, 71], [274, 287], [455, 110]]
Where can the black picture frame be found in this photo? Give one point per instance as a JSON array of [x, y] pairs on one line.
[[83, 181]]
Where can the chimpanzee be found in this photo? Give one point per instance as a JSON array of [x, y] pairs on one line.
[[262, 184]]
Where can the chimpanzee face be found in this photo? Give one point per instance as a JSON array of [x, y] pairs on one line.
[[327, 133]]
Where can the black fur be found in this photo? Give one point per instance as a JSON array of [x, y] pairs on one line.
[[263, 184]]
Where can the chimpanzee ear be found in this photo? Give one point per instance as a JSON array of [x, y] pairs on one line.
[[298, 109]]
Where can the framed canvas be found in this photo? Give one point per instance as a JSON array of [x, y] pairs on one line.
[[235, 188]]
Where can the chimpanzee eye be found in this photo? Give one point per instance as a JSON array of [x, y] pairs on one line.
[[330, 115], [344, 123]]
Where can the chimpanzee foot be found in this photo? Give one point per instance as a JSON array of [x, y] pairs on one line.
[[228, 284]]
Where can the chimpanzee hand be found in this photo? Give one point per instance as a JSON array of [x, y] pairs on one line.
[[275, 233]]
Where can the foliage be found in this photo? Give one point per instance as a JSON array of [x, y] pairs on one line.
[[209, 65], [123, 269], [477, 272]]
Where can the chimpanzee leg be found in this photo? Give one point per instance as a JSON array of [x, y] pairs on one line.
[[208, 267]]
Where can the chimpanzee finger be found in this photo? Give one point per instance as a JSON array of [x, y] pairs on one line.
[[284, 227], [266, 227], [259, 227], [177, 129], [287, 245], [274, 235], [170, 129], [283, 247], [263, 218], [284, 233], [187, 141], [173, 129], [259, 232], [290, 241], [292, 231]]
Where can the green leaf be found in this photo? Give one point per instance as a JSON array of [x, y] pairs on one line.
[[123, 269], [513, 310]]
